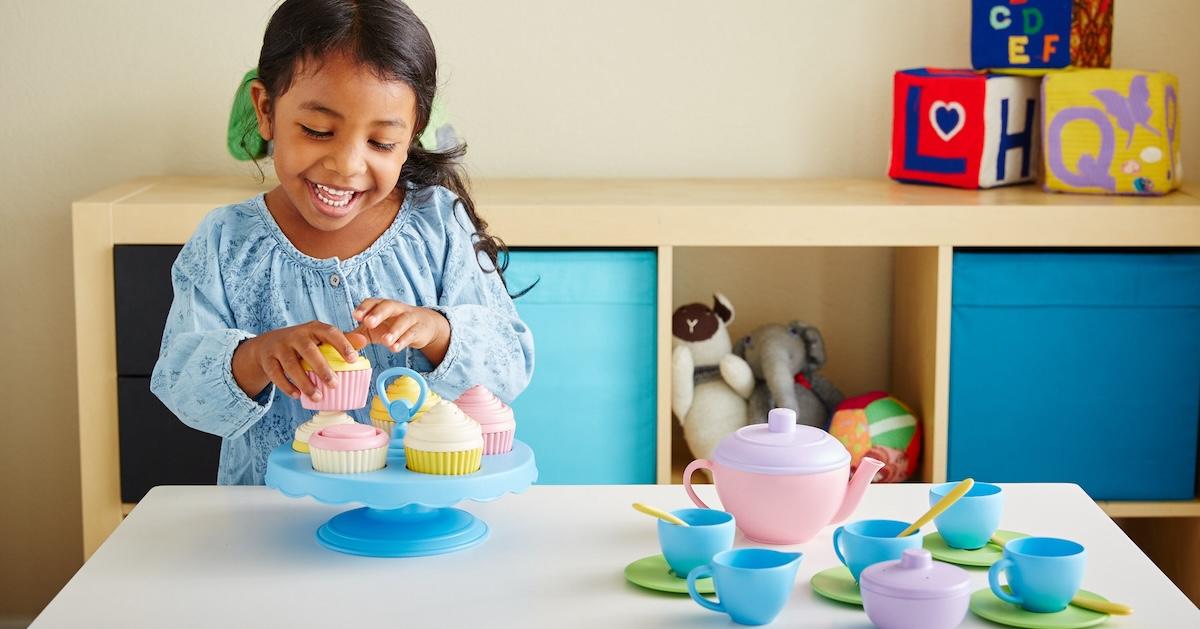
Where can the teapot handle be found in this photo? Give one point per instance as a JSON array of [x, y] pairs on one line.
[[687, 480]]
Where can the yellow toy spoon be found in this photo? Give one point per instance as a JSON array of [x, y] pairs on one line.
[[658, 513], [1095, 604], [1104, 607], [959, 490]]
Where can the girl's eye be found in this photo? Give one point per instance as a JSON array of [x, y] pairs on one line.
[[314, 133], [322, 135]]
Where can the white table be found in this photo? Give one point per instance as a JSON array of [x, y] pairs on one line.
[[247, 556]]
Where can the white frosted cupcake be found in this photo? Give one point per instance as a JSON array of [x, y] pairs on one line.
[[445, 441], [323, 419], [348, 449]]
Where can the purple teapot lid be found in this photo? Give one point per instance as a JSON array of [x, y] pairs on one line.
[[915, 576], [781, 447]]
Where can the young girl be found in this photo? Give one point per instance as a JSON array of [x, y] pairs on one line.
[[367, 237]]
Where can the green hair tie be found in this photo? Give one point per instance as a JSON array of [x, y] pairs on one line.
[[243, 139]]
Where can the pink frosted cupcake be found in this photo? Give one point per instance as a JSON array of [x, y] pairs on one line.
[[348, 449], [494, 417], [353, 383]]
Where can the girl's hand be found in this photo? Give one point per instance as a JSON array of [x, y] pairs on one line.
[[275, 356], [397, 325]]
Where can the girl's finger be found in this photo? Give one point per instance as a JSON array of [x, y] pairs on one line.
[[274, 371], [320, 366], [296, 373], [395, 327], [364, 307], [335, 337], [384, 311], [407, 339], [357, 339], [369, 307]]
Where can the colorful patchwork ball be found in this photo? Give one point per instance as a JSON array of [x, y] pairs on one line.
[[879, 426]]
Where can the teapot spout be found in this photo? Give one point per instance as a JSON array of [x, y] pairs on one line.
[[863, 476]]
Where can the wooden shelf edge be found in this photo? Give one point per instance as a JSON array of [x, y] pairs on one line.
[[1151, 508], [715, 213]]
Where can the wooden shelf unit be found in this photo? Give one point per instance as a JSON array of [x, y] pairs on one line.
[[920, 225], [1151, 508]]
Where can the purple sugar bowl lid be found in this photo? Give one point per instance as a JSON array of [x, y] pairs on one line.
[[916, 576], [781, 447]]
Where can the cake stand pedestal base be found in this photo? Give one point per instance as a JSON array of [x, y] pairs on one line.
[[411, 531]]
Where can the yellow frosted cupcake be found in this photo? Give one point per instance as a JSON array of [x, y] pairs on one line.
[[444, 442], [353, 382], [402, 388]]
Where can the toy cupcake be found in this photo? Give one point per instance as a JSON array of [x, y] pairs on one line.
[[494, 416], [353, 382], [403, 388], [348, 449], [323, 419], [444, 442]]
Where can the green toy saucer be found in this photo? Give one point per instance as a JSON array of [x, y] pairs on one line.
[[838, 585], [980, 557], [985, 605], [653, 573]]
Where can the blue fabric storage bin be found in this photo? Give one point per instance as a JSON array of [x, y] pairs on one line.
[[1077, 367], [590, 412]]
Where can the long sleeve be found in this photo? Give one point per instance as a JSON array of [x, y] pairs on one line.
[[489, 344], [193, 376]]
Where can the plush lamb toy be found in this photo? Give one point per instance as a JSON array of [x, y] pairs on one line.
[[710, 385], [785, 360]]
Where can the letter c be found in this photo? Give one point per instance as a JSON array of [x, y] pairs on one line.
[[1000, 17]]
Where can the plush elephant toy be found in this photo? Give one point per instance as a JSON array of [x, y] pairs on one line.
[[709, 384], [785, 360]]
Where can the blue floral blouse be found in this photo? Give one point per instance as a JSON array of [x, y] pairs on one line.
[[239, 276]]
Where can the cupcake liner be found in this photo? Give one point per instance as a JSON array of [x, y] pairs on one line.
[[351, 392], [498, 442], [444, 463], [348, 461]]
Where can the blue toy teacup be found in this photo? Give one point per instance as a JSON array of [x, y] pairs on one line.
[[867, 542], [753, 584], [970, 522], [708, 532], [1044, 573]]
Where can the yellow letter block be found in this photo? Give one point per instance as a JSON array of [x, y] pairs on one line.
[[1111, 132]]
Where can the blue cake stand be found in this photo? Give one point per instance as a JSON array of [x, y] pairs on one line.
[[406, 514]]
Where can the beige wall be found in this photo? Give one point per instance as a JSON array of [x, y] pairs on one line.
[[98, 92]]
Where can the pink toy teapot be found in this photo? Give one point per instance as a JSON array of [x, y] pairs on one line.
[[783, 483]]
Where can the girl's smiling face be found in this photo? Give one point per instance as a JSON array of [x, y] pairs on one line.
[[341, 135]]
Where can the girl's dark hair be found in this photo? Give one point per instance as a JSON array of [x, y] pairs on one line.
[[387, 37]]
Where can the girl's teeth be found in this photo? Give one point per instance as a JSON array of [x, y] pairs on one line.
[[334, 191], [332, 196]]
